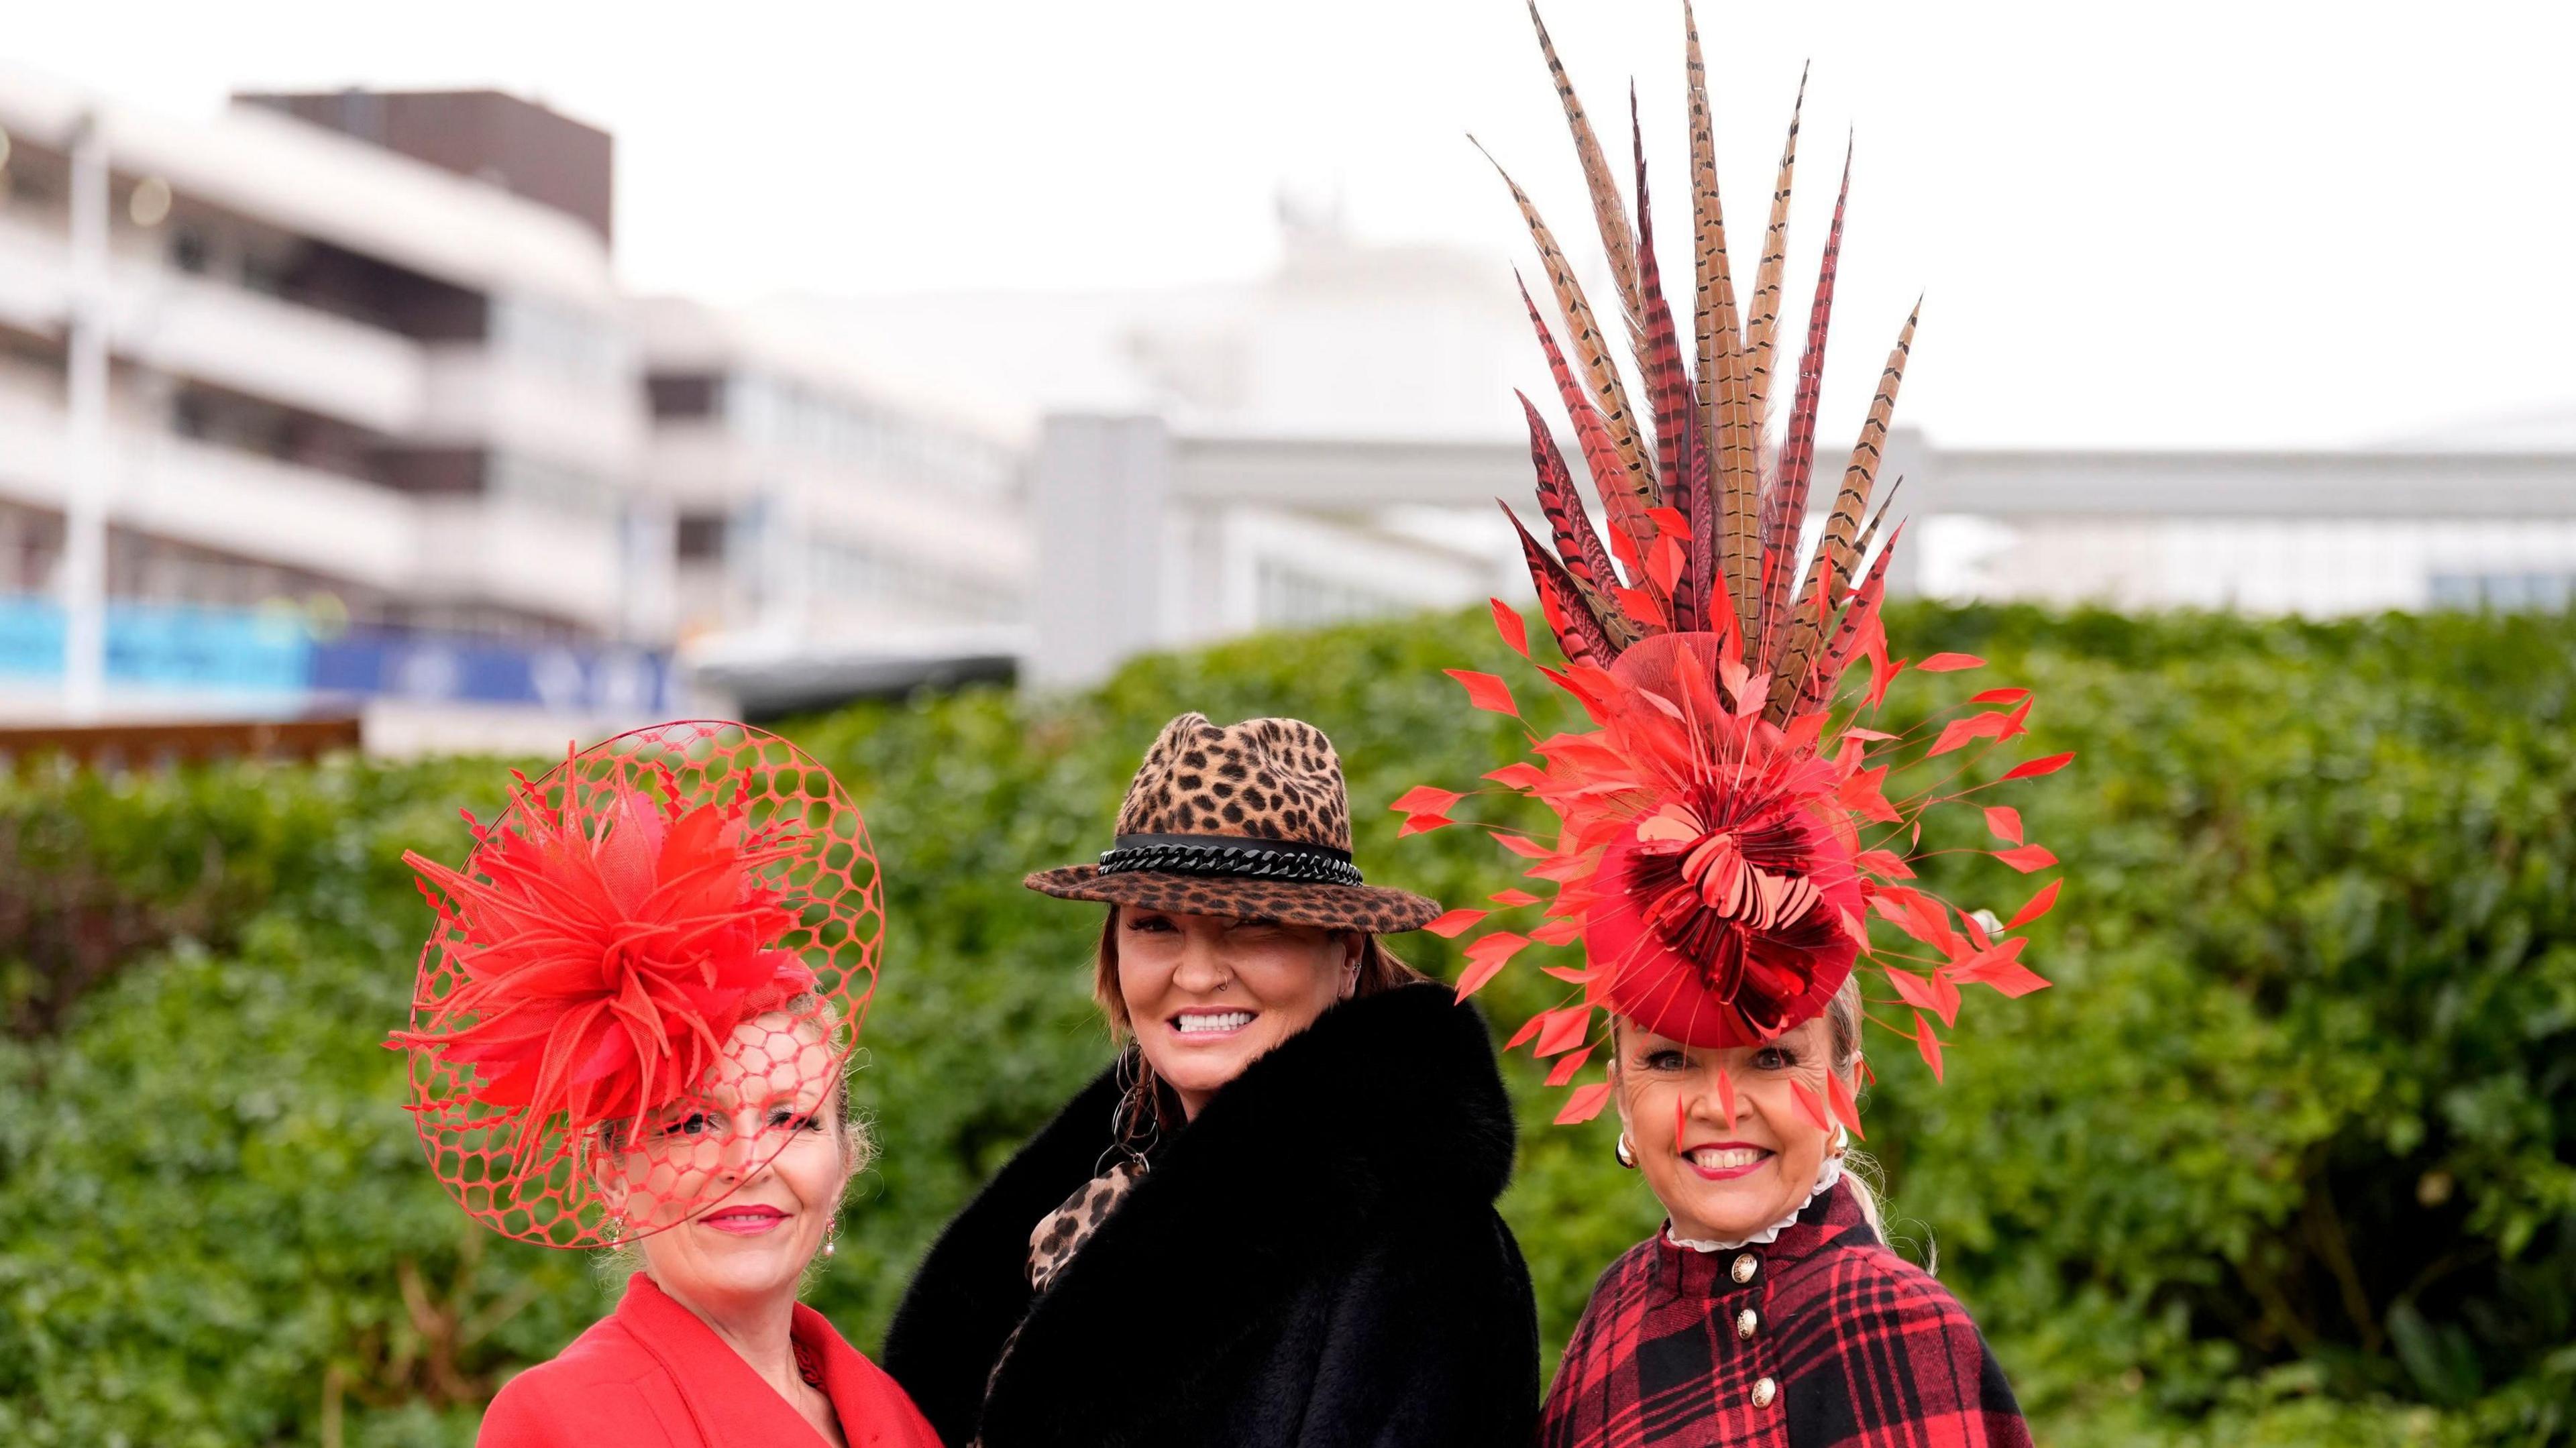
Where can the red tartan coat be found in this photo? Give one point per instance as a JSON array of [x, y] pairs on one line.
[[1822, 1339], [651, 1375]]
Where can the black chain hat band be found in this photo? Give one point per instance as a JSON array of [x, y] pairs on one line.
[[1236, 856]]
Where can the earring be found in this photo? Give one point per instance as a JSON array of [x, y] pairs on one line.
[[832, 1238], [1626, 1154], [1842, 1141]]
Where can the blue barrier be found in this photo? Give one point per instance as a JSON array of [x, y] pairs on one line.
[[235, 651], [377, 663]]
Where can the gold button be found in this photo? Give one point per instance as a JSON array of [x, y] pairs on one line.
[[1745, 1322], [1764, 1391], [1745, 1266]]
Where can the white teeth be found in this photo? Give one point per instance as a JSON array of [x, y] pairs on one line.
[[1711, 1159], [1193, 1024]]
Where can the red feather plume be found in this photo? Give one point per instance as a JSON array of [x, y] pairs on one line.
[[608, 955]]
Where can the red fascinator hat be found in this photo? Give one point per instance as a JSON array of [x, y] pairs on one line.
[[644, 982], [1725, 833]]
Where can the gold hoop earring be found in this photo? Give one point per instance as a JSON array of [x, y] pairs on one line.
[[1626, 1154], [1842, 1142]]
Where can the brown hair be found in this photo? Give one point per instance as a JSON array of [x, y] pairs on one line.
[[1380, 970]]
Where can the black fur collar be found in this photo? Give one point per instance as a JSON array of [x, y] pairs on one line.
[[1387, 1111]]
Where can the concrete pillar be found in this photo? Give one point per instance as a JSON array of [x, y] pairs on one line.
[[1100, 502]]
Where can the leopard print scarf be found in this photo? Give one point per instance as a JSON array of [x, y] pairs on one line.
[[1060, 1234]]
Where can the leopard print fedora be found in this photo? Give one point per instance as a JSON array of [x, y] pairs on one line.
[[1249, 820]]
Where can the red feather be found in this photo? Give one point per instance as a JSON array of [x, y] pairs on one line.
[[1577, 545], [608, 954], [1631, 530], [1579, 631]]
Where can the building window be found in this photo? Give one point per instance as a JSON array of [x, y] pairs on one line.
[[1286, 597], [190, 251], [683, 394], [2538, 591], [543, 485], [701, 537], [567, 344]]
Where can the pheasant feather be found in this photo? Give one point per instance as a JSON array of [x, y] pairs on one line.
[[1584, 334], [1730, 436], [1607, 211], [1576, 544], [1677, 436], [1816, 685], [1831, 571], [1632, 532], [1579, 631], [1784, 506], [1761, 326]]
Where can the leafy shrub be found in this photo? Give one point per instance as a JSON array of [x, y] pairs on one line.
[[2284, 1158]]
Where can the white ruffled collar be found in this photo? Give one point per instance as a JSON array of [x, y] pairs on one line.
[[1825, 1179]]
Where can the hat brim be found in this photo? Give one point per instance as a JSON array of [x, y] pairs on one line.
[[1377, 909]]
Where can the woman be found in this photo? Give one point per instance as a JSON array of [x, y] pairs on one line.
[[632, 1029], [1271, 1221], [1768, 1309], [1726, 835]]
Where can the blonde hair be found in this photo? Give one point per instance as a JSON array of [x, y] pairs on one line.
[[1842, 1024]]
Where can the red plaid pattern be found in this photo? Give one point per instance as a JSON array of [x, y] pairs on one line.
[[1829, 1340]]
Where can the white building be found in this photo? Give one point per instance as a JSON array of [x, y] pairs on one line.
[[835, 534], [372, 429]]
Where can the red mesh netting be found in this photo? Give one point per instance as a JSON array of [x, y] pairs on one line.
[[644, 984]]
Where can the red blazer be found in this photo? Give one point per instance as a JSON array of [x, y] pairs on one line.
[[651, 1375]]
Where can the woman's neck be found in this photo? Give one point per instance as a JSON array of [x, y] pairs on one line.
[[760, 1330]]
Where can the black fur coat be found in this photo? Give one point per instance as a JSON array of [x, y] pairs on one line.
[[1314, 1261]]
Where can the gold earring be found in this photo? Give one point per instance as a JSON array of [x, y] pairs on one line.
[[1626, 1154]]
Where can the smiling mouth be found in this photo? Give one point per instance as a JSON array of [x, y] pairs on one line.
[[744, 1221], [1211, 1023], [1725, 1163]]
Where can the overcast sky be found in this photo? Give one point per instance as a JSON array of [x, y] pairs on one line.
[[2169, 224]]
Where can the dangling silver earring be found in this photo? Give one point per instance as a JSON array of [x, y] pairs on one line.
[[1626, 1154], [1136, 1122]]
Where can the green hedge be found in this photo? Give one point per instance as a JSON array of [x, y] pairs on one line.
[[2285, 1157]]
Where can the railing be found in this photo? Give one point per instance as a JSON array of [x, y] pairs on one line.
[[131, 746]]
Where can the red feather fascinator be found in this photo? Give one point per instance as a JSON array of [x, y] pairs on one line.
[[652, 967], [1724, 832]]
